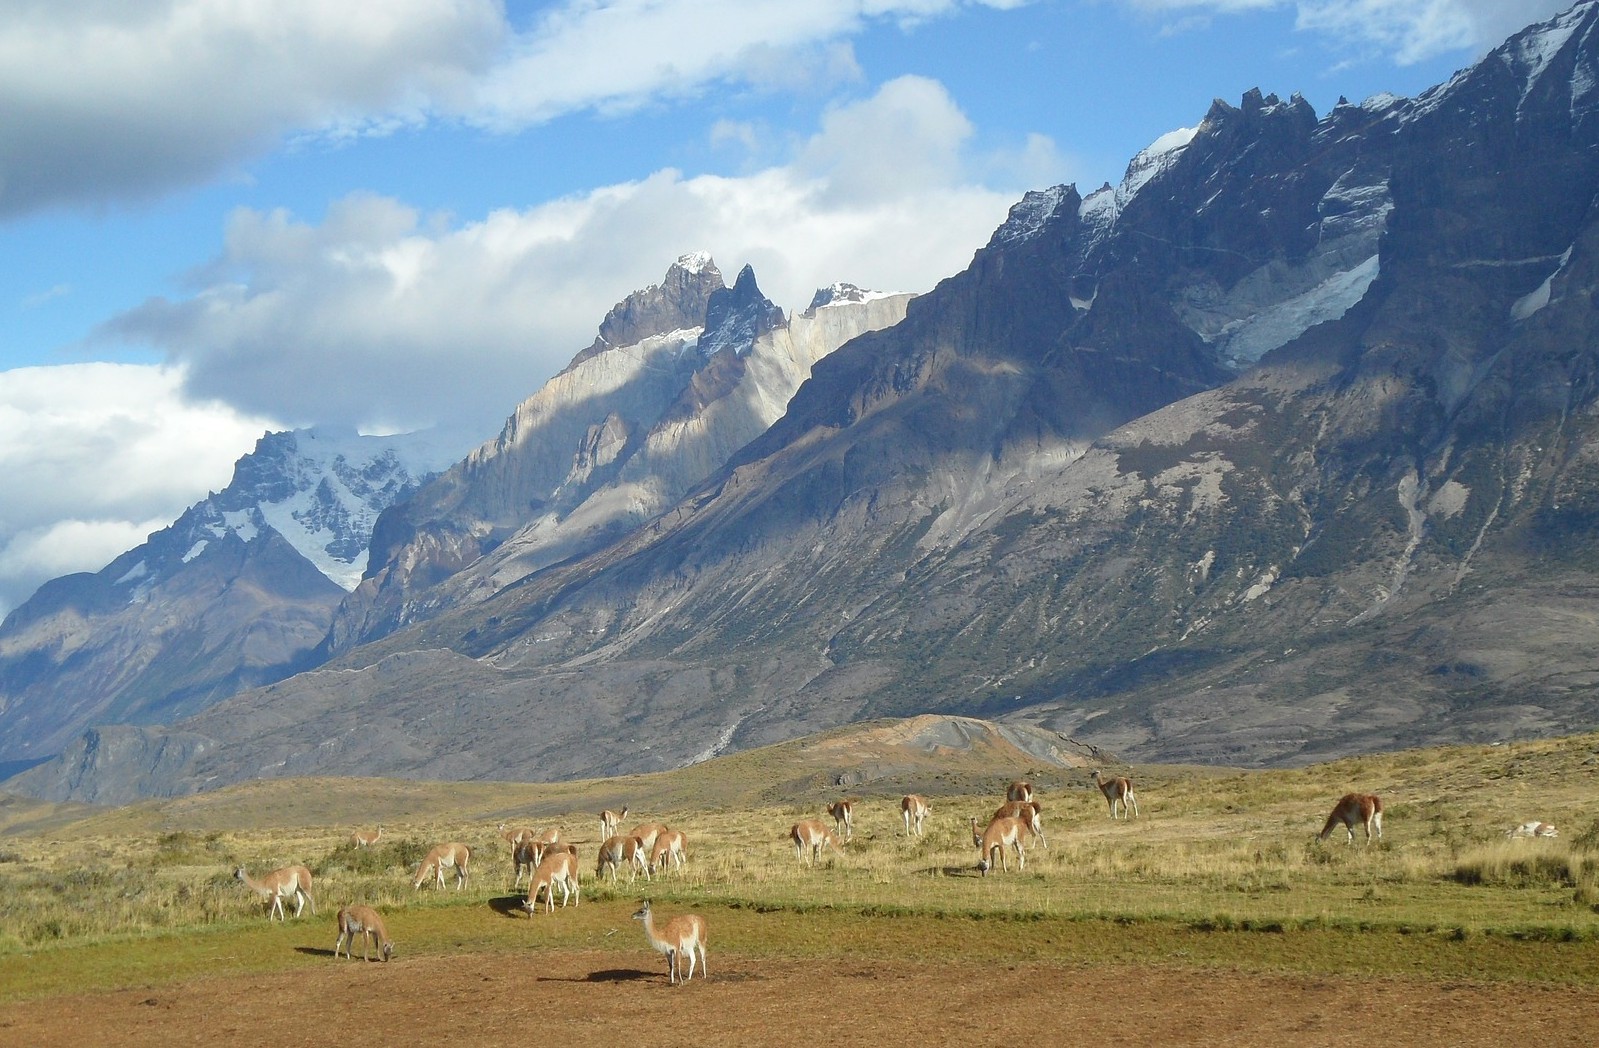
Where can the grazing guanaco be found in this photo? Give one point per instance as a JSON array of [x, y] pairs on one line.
[[1029, 812], [843, 813], [543, 841], [558, 870], [681, 935], [452, 855], [1019, 791], [366, 838], [814, 835], [1352, 808], [283, 883], [515, 835], [365, 922], [1117, 789], [669, 847], [610, 820], [618, 850], [525, 855], [646, 832], [1000, 834], [914, 809]]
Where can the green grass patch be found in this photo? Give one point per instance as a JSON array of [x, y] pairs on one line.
[[1222, 869]]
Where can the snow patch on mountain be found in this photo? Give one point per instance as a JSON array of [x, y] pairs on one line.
[[319, 489], [843, 294], [1538, 297], [1153, 161], [695, 262], [1277, 325], [1530, 54], [1029, 214]]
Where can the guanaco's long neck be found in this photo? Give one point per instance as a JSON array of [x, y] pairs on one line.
[[649, 932]]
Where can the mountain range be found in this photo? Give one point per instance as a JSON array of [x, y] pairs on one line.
[[235, 593], [1279, 449]]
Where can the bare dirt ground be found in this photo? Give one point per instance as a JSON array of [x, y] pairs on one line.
[[591, 997]]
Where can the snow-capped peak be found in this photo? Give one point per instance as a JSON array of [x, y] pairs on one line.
[[842, 293], [1528, 54], [1029, 214], [320, 489], [1382, 101], [1152, 161], [694, 262]]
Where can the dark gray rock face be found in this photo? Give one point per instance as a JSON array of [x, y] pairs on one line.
[[1282, 448]]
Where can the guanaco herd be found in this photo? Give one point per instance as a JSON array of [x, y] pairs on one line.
[[650, 848], [548, 863]]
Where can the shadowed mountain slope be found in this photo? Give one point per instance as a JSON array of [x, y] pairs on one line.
[[1045, 497]]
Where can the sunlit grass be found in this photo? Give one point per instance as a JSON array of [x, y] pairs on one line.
[[1214, 853]]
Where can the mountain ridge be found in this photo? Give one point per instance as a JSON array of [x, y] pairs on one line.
[[1278, 450], [235, 593]]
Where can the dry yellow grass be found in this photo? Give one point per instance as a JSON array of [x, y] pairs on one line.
[[1213, 850]]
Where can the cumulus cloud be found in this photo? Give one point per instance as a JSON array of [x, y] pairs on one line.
[[621, 54], [123, 102], [915, 137], [116, 102], [1412, 31], [383, 317], [94, 457], [1407, 31]]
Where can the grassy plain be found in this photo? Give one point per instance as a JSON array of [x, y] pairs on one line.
[[1220, 870]]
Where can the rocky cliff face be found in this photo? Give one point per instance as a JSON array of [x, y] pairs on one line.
[[237, 592], [1049, 494], [617, 437]]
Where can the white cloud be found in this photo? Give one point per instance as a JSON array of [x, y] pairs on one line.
[[1413, 31], [64, 547], [915, 134], [381, 316], [124, 101], [93, 457], [1407, 31], [385, 319], [620, 54], [121, 102]]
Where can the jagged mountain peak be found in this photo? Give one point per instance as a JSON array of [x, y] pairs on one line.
[[735, 317], [1554, 61], [610, 441], [1042, 496], [677, 303], [320, 489], [1029, 215], [692, 263]]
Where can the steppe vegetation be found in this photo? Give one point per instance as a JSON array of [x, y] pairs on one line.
[[1221, 867]]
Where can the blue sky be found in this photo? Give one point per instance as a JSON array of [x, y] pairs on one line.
[[223, 216]]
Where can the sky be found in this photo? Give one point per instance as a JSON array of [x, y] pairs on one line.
[[223, 217]]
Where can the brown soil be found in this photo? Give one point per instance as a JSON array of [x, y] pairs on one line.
[[591, 997]]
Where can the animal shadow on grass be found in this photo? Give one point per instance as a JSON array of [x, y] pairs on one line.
[[616, 975], [608, 975], [508, 905], [954, 871], [315, 951]]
